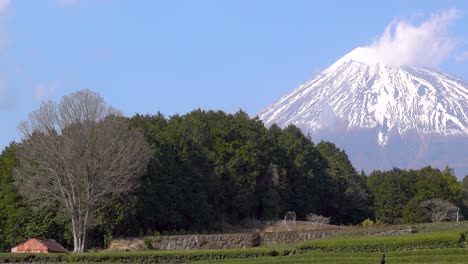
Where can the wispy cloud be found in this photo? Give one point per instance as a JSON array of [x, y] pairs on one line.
[[426, 44], [44, 90]]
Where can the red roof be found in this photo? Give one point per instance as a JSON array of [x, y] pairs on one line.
[[53, 246], [37, 245]]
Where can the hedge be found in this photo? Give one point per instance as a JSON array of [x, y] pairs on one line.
[[448, 239], [147, 256], [451, 255]]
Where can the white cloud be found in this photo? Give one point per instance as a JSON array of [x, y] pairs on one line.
[[43, 90], [426, 44], [4, 6]]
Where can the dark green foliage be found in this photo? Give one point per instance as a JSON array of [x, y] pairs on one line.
[[349, 196], [32, 258], [145, 256], [414, 213], [18, 220], [111, 221], [391, 190], [398, 193], [438, 240], [433, 183], [147, 242], [211, 168], [303, 180], [269, 202], [450, 255], [464, 186]]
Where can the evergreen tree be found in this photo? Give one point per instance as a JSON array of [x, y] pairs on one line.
[[303, 178], [392, 190], [350, 198]]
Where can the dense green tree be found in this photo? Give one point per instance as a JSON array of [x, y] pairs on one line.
[[302, 169], [414, 213], [398, 194], [207, 164], [210, 170], [349, 196], [433, 183], [112, 221], [464, 187], [464, 184], [392, 191], [270, 201]]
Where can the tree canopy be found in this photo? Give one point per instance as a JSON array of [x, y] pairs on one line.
[[399, 193], [83, 165], [77, 154]]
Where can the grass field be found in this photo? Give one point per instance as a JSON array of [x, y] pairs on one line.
[[432, 240], [456, 255], [434, 243], [422, 228]]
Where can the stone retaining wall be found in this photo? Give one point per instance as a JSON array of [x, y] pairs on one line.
[[221, 241]]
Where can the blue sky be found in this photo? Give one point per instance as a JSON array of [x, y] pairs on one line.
[[174, 56]]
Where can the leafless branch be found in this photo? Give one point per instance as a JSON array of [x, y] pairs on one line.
[[77, 153], [440, 210], [317, 219]]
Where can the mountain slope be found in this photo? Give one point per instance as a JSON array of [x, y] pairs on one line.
[[357, 95]]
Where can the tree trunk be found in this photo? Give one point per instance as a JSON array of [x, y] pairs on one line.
[[75, 234], [75, 242], [79, 233], [81, 239], [83, 236], [80, 133]]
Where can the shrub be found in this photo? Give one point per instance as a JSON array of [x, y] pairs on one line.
[[367, 223], [380, 244], [147, 241]]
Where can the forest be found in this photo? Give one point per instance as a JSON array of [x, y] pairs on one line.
[[209, 171]]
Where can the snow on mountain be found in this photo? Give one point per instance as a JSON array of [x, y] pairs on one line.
[[401, 104], [367, 94]]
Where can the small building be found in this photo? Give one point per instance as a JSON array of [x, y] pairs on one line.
[[37, 245]]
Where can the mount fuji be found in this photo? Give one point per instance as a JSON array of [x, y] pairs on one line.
[[383, 115]]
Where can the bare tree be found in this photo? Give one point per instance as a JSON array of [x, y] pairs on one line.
[[440, 210], [78, 153]]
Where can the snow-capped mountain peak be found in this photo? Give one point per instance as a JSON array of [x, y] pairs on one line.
[[365, 55], [358, 91]]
